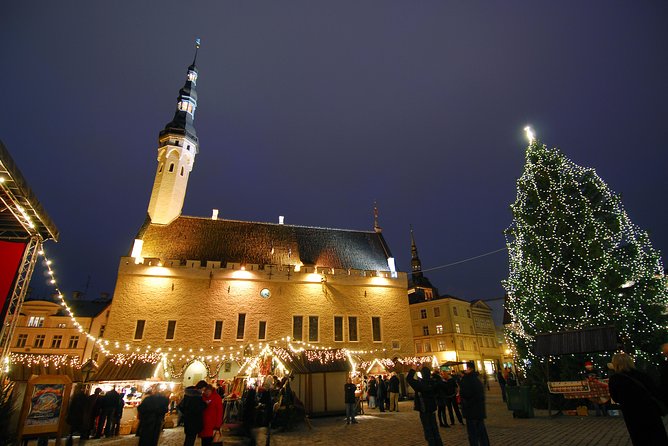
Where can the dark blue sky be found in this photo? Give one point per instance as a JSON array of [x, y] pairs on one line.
[[314, 109]]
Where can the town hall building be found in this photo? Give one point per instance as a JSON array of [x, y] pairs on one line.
[[202, 289]]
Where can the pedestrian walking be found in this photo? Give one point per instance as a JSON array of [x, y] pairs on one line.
[[502, 384], [212, 417], [638, 397], [440, 399], [425, 403], [380, 394], [351, 401], [78, 416], [472, 394], [373, 391], [151, 413], [191, 406], [450, 389], [394, 392]]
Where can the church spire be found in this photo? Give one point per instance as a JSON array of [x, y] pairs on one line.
[[416, 264], [177, 147]]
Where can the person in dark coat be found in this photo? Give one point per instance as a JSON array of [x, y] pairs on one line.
[[351, 401], [450, 389], [472, 394], [78, 415], [108, 407], [635, 392], [440, 400], [394, 392], [191, 406], [151, 413], [95, 409], [373, 391], [380, 394], [425, 402], [502, 384]]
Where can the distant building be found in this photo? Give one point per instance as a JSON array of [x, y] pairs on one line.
[[452, 329], [45, 328], [205, 291]]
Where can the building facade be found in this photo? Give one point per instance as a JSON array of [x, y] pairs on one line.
[[452, 329], [208, 290], [44, 328]]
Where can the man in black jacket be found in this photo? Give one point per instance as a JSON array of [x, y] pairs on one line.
[[425, 402], [394, 392], [191, 406], [472, 393]]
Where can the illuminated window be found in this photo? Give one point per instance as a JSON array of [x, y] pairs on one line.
[[313, 328], [241, 326], [441, 344], [437, 311], [139, 329], [62, 325], [454, 311], [171, 328], [74, 342], [218, 330], [22, 340], [439, 329], [297, 327], [423, 313], [338, 328], [428, 293], [375, 328], [262, 330], [458, 329], [425, 330], [55, 342], [352, 329], [36, 321], [39, 341]]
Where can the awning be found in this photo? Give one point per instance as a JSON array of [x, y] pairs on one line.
[[112, 370]]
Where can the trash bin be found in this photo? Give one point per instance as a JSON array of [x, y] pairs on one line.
[[519, 401]]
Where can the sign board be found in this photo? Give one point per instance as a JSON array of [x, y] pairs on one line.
[[568, 386], [45, 406]]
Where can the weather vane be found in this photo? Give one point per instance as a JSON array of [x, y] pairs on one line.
[[198, 42], [531, 136]]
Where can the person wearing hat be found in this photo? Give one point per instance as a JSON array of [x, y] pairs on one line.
[[425, 402], [472, 394]]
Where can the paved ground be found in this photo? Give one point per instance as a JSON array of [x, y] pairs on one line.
[[403, 428]]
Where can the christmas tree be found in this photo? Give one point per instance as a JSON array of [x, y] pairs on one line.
[[577, 260]]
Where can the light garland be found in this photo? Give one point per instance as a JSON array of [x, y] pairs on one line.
[[32, 360]]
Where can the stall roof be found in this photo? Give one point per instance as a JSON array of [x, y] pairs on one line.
[[139, 370], [313, 361], [19, 207], [23, 372]]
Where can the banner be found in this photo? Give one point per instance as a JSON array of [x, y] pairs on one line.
[[11, 254]]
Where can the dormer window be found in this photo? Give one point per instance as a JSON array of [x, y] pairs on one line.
[[186, 106]]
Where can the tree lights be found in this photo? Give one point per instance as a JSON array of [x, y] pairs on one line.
[[577, 260]]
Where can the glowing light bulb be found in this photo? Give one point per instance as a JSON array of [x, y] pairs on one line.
[[531, 136]]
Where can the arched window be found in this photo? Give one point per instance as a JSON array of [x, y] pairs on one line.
[[171, 167]]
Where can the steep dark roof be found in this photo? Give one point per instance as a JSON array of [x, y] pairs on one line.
[[418, 297], [191, 238], [80, 307]]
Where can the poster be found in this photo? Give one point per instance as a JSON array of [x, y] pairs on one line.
[[46, 403]]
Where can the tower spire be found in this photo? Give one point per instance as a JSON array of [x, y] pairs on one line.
[[197, 45], [376, 226], [416, 264]]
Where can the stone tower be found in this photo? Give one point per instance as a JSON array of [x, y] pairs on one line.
[[177, 147]]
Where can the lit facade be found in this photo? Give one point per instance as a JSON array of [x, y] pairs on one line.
[[450, 328], [43, 328], [206, 292]]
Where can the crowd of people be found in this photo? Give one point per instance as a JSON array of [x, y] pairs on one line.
[[97, 414]]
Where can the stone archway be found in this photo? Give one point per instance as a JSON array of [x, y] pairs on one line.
[[195, 372]]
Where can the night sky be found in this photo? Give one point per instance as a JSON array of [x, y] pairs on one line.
[[314, 110]]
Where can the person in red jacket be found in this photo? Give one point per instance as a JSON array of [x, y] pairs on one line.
[[212, 417]]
